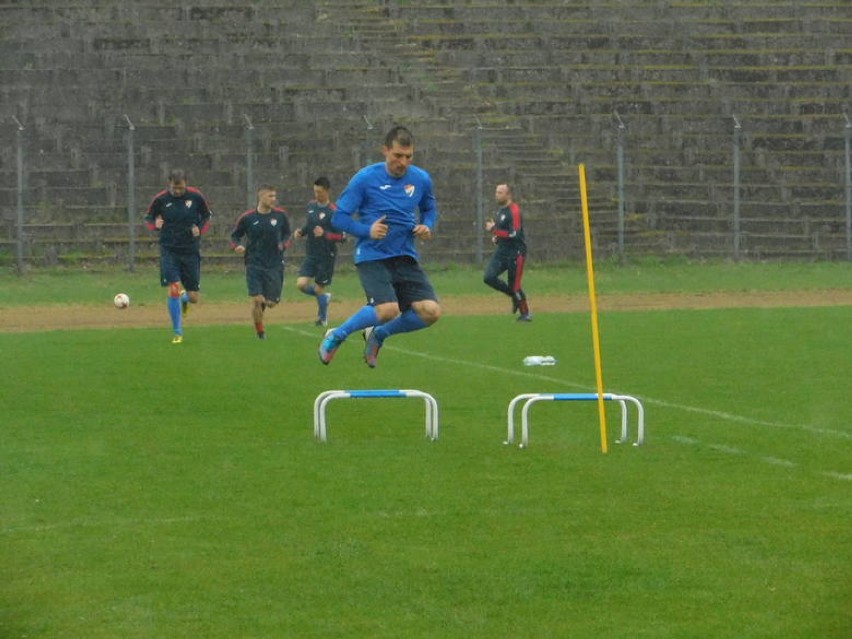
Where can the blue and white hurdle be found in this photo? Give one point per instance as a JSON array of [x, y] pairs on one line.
[[323, 399], [531, 398]]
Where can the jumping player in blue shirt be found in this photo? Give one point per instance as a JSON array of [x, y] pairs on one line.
[[180, 215], [395, 205]]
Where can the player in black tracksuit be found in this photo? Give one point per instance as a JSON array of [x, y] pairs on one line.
[[507, 232], [266, 229]]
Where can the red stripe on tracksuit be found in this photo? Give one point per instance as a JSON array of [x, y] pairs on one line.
[[520, 260]]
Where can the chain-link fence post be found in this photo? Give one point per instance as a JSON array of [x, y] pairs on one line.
[[131, 195], [848, 137], [19, 244], [737, 234], [620, 131], [250, 196], [480, 206], [368, 142]]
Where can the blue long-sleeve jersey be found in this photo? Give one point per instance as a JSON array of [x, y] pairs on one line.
[[405, 201]]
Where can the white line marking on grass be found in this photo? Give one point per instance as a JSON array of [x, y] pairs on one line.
[[833, 475], [778, 461], [748, 420], [81, 523], [768, 459], [727, 449]]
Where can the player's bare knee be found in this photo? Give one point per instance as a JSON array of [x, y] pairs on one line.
[[387, 311], [429, 311], [174, 289]]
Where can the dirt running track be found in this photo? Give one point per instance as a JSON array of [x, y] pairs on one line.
[[42, 318]]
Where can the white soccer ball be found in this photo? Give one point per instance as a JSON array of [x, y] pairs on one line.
[[121, 300]]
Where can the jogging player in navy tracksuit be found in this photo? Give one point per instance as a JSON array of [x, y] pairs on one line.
[[266, 230], [507, 232], [322, 238], [181, 215]]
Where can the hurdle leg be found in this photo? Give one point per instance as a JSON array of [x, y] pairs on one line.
[[623, 405], [428, 409], [431, 417], [510, 435], [640, 429], [640, 412], [431, 411], [321, 422], [317, 413], [525, 419], [323, 407]]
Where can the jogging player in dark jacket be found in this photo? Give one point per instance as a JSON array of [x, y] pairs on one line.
[[321, 241], [180, 214], [261, 236], [507, 232]]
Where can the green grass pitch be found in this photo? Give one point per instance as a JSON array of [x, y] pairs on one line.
[[148, 490]]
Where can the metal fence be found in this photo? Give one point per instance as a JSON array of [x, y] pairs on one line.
[[471, 239]]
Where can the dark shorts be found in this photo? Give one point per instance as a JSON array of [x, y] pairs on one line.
[[319, 267], [268, 282], [180, 267], [396, 279]]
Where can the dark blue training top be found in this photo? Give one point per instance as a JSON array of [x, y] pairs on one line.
[[324, 246], [179, 215], [266, 235]]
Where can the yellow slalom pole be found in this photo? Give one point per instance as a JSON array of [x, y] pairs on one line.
[[593, 302]]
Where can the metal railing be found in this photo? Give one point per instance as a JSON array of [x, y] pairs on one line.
[[484, 141]]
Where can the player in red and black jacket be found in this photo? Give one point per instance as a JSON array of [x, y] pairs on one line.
[[507, 232], [261, 235], [322, 239], [180, 214]]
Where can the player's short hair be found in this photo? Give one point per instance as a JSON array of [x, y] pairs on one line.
[[509, 188], [177, 175], [266, 187], [322, 182], [401, 135]]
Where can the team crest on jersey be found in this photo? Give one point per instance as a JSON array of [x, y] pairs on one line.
[[273, 222], [409, 190], [322, 216], [188, 203]]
